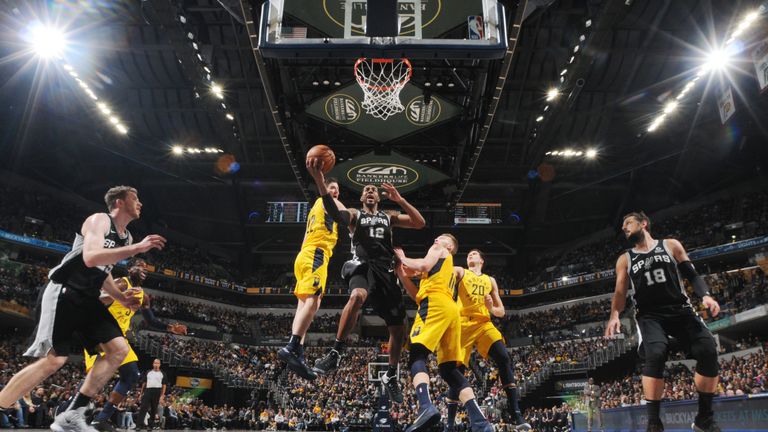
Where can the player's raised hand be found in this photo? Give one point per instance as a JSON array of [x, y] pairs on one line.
[[399, 254], [613, 327], [315, 168], [711, 304], [130, 300], [152, 241], [391, 193]]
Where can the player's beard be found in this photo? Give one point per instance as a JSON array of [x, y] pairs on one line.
[[635, 237]]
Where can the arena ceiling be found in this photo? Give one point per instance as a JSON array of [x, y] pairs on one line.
[[138, 57]]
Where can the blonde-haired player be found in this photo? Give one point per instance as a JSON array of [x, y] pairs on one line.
[[129, 370], [437, 328], [311, 267], [479, 297]]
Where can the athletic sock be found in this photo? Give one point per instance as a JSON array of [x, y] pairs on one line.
[[653, 407], [511, 392], [80, 401], [705, 405], [294, 343], [392, 371], [339, 346], [453, 406], [106, 413], [476, 416], [422, 393]]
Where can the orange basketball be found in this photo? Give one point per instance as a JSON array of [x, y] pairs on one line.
[[324, 153]]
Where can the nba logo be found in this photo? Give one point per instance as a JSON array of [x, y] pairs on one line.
[[475, 27]]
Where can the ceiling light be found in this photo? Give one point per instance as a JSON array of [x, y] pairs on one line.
[[206, 69], [670, 107], [113, 119], [177, 150], [68, 67], [47, 41], [546, 108], [190, 36], [230, 116], [591, 153], [122, 129], [552, 94], [539, 118], [326, 82], [572, 59], [588, 23], [315, 82], [565, 71], [717, 60], [183, 19], [576, 49], [338, 83], [582, 38]]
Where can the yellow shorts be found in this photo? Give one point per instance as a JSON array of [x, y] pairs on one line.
[[481, 334], [311, 270], [91, 359], [437, 326]]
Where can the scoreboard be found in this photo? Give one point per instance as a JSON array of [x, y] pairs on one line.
[[287, 211], [477, 214]]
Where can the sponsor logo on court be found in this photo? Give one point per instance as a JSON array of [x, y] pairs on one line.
[[194, 382], [421, 114], [430, 10], [342, 109], [377, 173]]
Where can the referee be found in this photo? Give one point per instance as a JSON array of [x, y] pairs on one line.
[[152, 393]]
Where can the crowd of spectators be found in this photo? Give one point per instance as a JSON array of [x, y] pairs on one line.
[[279, 325], [19, 283], [712, 224], [540, 322], [736, 291], [738, 376], [225, 319]]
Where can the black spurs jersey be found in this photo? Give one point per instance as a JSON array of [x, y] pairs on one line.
[[656, 281], [372, 238], [72, 271]]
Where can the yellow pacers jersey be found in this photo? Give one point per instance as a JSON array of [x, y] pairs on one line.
[[439, 280], [322, 232], [121, 313], [472, 292]]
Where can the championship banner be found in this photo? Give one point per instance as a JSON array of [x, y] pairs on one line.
[[394, 168], [344, 108], [194, 382], [327, 16], [725, 105], [760, 58]]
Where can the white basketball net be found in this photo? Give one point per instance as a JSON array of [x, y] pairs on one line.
[[381, 81]]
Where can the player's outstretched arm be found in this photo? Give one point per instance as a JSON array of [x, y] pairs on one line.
[[410, 288], [493, 301], [95, 229], [619, 301], [422, 264], [412, 218], [125, 298], [688, 271]]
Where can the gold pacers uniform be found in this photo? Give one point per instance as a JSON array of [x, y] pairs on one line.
[[476, 326], [311, 264], [437, 324], [123, 317]]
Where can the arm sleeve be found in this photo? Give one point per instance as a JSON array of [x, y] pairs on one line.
[[152, 320], [689, 272], [333, 211]]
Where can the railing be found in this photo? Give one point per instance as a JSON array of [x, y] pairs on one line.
[[155, 349]]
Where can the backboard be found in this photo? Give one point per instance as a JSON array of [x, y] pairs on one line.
[[441, 29]]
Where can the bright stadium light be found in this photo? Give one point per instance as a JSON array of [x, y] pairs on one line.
[[178, 150], [539, 118], [670, 107], [716, 60], [552, 94], [591, 153], [47, 41]]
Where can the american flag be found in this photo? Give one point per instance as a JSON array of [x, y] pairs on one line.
[[293, 32]]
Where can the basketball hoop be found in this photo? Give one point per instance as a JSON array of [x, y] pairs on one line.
[[381, 81]]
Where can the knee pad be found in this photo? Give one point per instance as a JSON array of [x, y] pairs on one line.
[[129, 377], [453, 377], [655, 357], [418, 359], [705, 353], [498, 353]]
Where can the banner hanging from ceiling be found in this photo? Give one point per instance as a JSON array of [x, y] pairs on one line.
[[344, 108], [371, 168], [760, 57]]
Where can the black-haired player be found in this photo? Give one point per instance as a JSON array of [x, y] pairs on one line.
[[370, 276], [654, 269]]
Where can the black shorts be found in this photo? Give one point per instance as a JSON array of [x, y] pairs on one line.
[[384, 294], [686, 327], [68, 321]]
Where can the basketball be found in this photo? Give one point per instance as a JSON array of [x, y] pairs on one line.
[[324, 153]]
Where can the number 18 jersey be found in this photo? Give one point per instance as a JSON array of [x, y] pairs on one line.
[[472, 291], [656, 281]]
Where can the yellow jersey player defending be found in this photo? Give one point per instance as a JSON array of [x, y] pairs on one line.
[[437, 328], [311, 268], [129, 370], [479, 297]]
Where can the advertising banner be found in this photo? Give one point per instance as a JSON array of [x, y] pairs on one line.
[[394, 168]]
